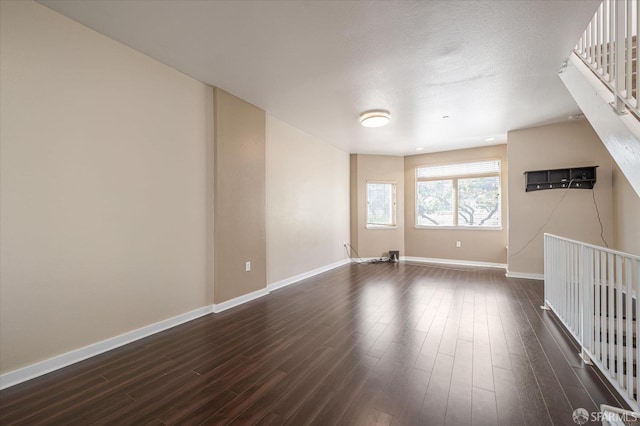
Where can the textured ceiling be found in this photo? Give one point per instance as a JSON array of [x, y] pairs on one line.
[[491, 66]]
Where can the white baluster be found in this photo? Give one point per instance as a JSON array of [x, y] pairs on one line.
[[619, 56], [611, 315], [597, 316], [629, 324], [619, 327], [628, 59]]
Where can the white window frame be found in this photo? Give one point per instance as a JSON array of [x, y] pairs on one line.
[[454, 179], [394, 206]]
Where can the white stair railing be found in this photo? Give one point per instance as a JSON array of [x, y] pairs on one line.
[[593, 291], [608, 47]]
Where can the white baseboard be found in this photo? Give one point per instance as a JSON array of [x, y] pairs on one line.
[[525, 275], [454, 262], [288, 281], [40, 368], [217, 308]]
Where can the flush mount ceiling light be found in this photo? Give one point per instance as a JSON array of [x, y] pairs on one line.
[[376, 118]]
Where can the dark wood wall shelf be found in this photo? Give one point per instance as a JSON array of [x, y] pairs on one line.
[[575, 177]]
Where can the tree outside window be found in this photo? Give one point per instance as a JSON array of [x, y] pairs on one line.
[[459, 195], [381, 204]]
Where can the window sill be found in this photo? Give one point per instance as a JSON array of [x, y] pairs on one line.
[[381, 227], [462, 228]]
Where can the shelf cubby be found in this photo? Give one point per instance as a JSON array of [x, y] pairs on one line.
[[575, 177]]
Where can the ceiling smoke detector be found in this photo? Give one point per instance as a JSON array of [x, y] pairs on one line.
[[376, 118]]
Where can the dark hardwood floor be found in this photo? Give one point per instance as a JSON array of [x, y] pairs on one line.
[[362, 344]]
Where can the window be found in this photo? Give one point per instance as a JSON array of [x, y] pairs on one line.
[[463, 195], [381, 204]]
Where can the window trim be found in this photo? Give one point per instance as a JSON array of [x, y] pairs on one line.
[[454, 180], [394, 208]]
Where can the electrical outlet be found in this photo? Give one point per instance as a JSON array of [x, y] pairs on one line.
[[247, 266], [458, 244], [344, 244]]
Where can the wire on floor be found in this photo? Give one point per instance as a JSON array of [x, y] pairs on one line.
[[357, 259]]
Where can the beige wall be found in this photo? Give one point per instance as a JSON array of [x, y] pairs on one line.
[[102, 176], [239, 197], [477, 245], [307, 202], [626, 215], [367, 168], [353, 201], [531, 214]]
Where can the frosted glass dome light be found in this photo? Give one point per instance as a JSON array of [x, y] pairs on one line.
[[375, 118]]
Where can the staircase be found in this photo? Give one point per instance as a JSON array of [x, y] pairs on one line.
[[604, 63], [599, 59], [608, 47], [594, 292]]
